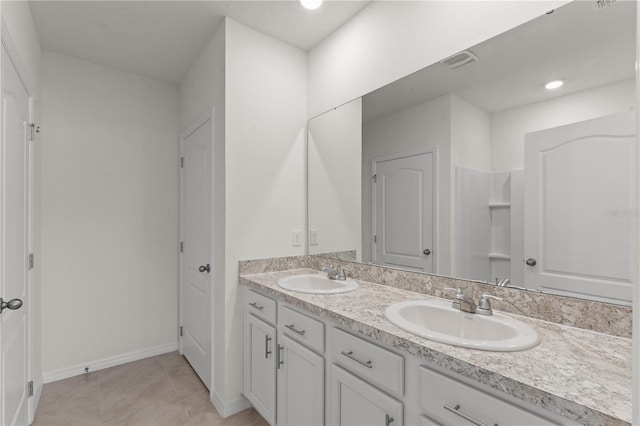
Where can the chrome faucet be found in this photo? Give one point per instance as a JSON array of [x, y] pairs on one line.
[[465, 303], [484, 307], [462, 302], [339, 274]]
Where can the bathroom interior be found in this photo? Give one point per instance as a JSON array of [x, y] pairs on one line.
[[214, 199]]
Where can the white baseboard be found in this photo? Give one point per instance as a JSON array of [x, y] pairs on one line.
[[229, 408], [76, 370]]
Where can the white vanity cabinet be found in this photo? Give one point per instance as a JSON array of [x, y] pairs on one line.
[[284, 370], [365, 379], [447, 401], [288, 361], [301, 369], [259, 380], [356, 402]]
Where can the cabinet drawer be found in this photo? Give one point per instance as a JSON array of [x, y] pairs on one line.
[[368, 360], [453, 402], [304, 329], [260, 306]]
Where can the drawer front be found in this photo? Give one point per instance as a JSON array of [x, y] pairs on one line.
[[260, 306], [303, 329], [453, 402], [379, 366]]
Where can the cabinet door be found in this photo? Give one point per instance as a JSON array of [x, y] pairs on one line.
[[300, 385], [357, 403], [260, 367]]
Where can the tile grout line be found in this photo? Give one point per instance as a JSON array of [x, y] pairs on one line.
[[182, 404]]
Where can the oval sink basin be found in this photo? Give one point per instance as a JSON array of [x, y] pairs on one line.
[[317, 284], [438, 321]]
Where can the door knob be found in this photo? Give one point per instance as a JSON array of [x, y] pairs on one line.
[[531, 261], [426, 252], [12, 304], [206, 269]]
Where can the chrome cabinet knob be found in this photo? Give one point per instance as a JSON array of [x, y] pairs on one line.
[[531, 262], [206, 269], [426, 252], [12, 304]]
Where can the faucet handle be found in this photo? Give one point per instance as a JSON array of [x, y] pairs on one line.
[[484, 307], [459, 292], [342, 274]]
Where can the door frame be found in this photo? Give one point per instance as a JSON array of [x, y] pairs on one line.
[[436, 197], [12, 52], [208, 115]]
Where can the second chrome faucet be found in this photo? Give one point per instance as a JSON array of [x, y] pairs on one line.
[[465, 303]]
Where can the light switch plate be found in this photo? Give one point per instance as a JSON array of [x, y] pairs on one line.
[[296, 237], [313, 237]]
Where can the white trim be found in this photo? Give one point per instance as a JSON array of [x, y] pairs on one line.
[[14, 56], [229, 408], [101, 364]]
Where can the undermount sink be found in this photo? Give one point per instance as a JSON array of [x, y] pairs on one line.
[[438, 321], [316, 284]]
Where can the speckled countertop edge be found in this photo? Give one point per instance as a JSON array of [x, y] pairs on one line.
[[582, 375]]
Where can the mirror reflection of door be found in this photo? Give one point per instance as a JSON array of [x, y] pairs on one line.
[[404, 206], [578, 208]]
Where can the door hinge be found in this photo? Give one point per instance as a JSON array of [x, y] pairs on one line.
[[182, 162], [30, 262], [375, 178], [30, 388], [180, 331], [33, 129], [375, 238], [181, 247]]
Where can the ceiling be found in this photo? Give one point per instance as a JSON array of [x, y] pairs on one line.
[[586, 47], [162, 39]]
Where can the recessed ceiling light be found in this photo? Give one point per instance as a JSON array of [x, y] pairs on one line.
[[311, 4], [553, 84]]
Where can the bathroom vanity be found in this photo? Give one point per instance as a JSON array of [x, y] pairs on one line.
[[335, 359]]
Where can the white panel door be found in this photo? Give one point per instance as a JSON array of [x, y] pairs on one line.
[[13, 252], [404, 212], [578, 209], [300, 385], [196, 283]]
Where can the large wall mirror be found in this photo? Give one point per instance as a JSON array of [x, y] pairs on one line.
[[472, 168]]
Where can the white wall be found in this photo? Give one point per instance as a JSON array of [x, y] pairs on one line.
[[411, 130], [17, 23], [389, 40], [109, 213], [266, 113], [509, 127], [334, 174], [203, 89]]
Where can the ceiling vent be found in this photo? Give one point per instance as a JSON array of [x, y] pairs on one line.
[[459, 59]]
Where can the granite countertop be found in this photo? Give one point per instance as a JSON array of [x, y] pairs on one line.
[[579, 374]]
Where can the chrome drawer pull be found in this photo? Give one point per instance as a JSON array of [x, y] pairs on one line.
[[292, 327], [267, 352], [255, 305], [279, 360], [456, 410], [387, 420], [349, 354]]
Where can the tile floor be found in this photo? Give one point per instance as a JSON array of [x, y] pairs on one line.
[[162, 390]]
